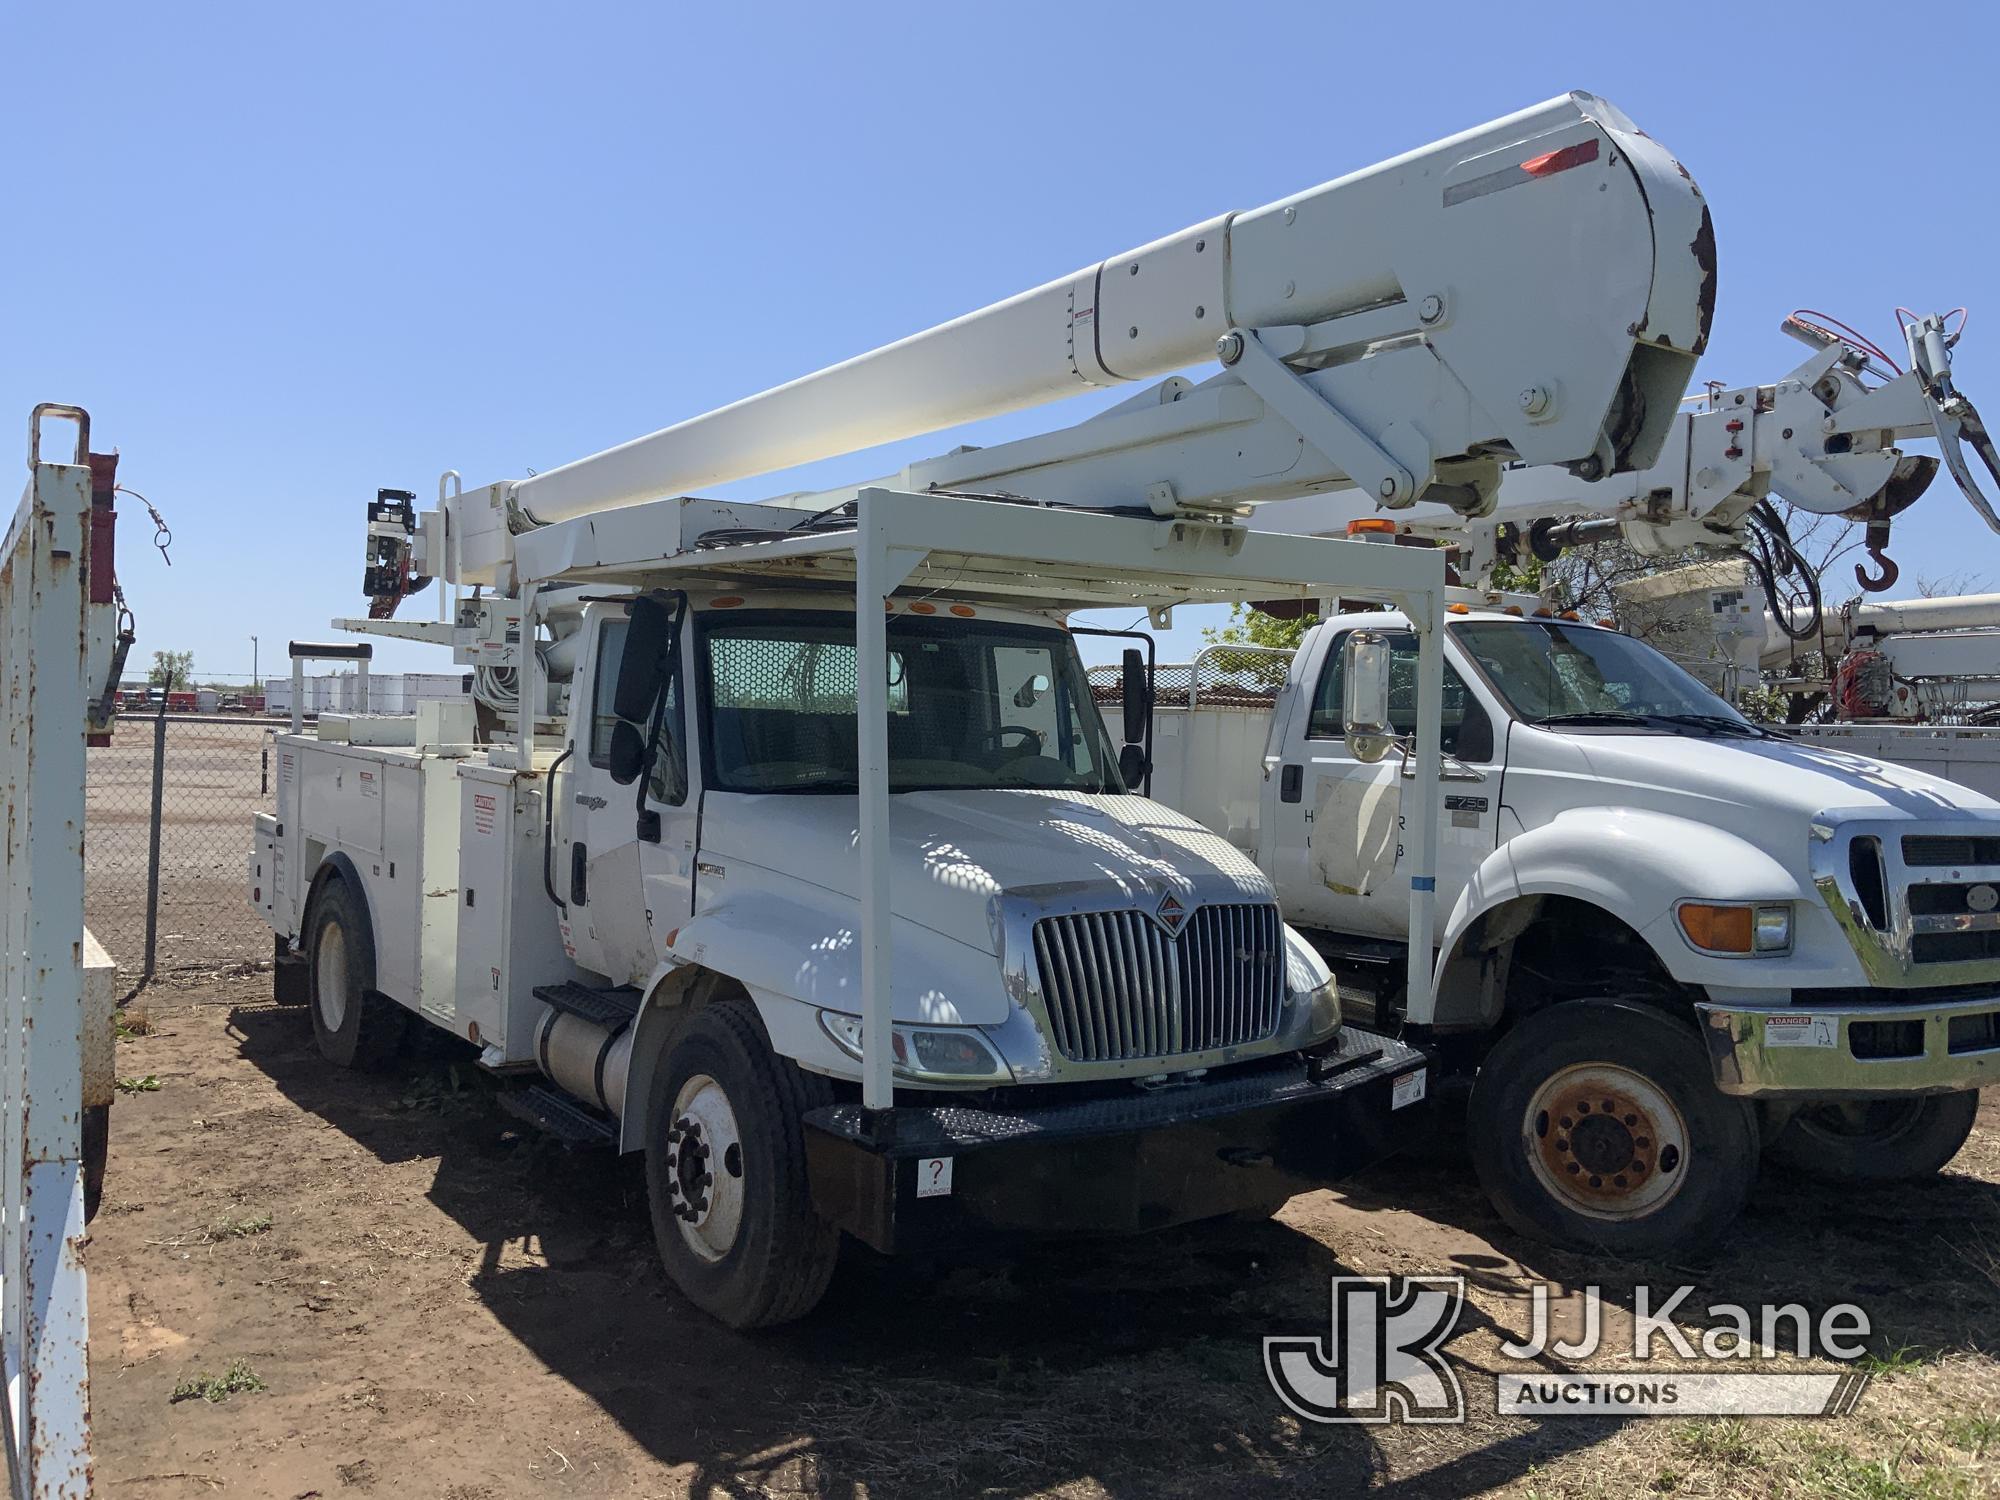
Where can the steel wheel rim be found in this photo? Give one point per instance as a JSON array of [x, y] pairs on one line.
[[330, 975], [705, 1169], [1606, 1142]]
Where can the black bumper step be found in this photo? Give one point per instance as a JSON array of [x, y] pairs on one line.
[[612, 1008], [559, 1115], [946, 1175]]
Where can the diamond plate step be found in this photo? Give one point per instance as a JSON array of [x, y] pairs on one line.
[[559, 1115], [613, 1008]]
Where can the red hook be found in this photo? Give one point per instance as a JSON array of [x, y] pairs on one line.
[[1884, 580]]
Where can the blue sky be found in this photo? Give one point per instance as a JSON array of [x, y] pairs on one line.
[[287, 254]]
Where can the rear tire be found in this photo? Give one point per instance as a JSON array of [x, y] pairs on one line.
[[354, 1026], [1876, 1140], [96, 1153], [726, 1172], [1596, 1125]]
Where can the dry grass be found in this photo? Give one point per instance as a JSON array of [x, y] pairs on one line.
[[398, 1258]]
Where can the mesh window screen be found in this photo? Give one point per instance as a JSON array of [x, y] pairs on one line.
[[970, 705]]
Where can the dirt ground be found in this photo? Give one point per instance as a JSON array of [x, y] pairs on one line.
[[418, 1297]]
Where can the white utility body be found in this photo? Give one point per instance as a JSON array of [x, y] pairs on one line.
[[786, 840]]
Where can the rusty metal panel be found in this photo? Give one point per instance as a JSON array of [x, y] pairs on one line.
[[45, 661]]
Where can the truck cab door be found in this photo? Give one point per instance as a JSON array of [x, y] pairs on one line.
[[624, 855], [1339, 857]]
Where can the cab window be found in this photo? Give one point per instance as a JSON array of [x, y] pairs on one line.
[[610, 651], [1465, 731], [668, 782]]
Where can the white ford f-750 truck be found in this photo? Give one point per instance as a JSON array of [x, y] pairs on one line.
[[1668, 937]]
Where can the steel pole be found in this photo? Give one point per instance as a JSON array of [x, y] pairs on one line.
[[153, 841], [1421, 819], [871, 704]]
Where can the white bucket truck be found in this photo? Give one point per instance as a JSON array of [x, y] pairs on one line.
[[786, 840], [1670, 940]]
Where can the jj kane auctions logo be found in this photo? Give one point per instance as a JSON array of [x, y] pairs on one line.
[[1382, 1358]]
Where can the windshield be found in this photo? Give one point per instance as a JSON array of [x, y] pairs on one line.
[[1551, 671], [972, 706]]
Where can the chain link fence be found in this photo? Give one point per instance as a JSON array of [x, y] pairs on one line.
[[169, 803], [1224, 676]]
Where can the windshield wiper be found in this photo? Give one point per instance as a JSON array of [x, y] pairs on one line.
[[1593, 716], [1713, 723], [1721, 723]]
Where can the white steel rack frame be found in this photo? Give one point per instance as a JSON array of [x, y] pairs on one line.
[[1029, 556]]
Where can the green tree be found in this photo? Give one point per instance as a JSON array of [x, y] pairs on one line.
[[1252, 627], [172, 671]]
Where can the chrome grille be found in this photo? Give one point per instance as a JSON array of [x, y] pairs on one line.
[[1912, 895], [1117, 986], [1932, 850]]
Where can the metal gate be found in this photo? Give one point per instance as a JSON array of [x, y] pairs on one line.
[[45, 661]]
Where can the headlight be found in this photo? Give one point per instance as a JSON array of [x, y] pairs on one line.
[[1323, 1008], [1737, 930], [924, 1054]]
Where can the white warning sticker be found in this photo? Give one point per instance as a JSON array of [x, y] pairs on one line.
[[1408, 1089], [934, 1177], [1803, 1030]]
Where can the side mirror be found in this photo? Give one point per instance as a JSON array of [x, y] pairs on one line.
[[1132, 766], [1031, 691], [644, 664], [627, 755], [1136, 696], [1364, 709]]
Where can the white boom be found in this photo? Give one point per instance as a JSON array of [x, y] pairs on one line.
[[1822, 437], [1607, 251], [1537, 288]]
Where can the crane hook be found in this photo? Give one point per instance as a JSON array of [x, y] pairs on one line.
[[1884, 580]]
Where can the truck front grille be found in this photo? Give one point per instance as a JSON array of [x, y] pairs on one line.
[[1921, 904], [1932, 850], [1118, 986]]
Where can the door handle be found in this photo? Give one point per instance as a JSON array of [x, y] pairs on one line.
[[579, 875], [1291, 783]]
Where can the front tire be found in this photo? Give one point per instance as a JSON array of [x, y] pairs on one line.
[[354, 1026], [726, 1172], [1876, 1140], [1595, 1125]]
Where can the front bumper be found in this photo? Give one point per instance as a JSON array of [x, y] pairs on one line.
[[1113, 1164], [1823, 1051]]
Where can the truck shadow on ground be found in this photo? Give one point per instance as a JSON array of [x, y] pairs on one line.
[[1133, 1364]]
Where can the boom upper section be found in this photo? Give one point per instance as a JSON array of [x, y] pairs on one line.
[[1536, 289]]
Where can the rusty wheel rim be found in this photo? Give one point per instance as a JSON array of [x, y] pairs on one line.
[[1606, 1142]]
